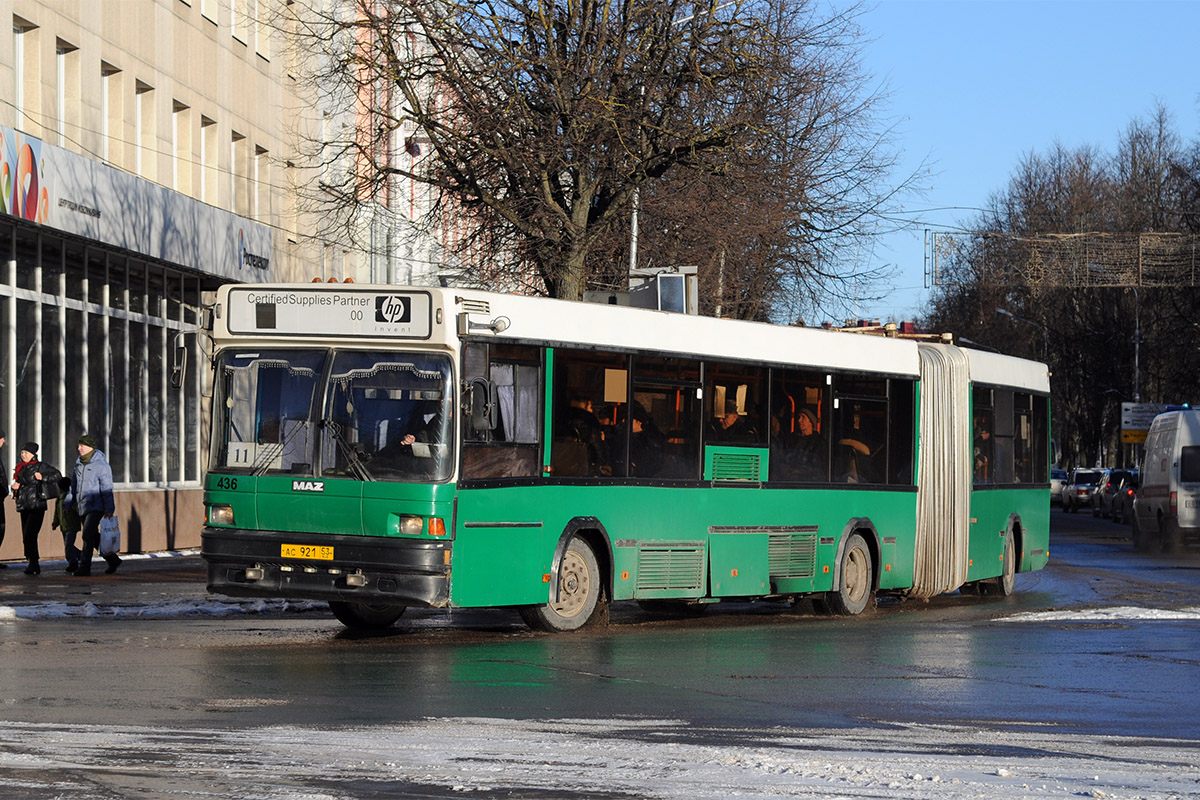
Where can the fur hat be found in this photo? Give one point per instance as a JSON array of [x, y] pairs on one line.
[[30, 447]]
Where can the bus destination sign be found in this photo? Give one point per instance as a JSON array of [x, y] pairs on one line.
[[330, 312]]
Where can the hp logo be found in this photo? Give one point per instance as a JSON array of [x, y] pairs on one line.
[[392, 309]]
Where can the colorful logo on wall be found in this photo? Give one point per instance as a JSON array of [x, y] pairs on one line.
[[23, 190]]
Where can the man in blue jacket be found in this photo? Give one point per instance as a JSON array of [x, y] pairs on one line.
[[92, 496]]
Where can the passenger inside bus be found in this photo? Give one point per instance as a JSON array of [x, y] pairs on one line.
[[645, 445], [732, 426], [797, 449], [580, 448]]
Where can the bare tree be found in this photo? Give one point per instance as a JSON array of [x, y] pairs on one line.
[[541, 121], [1106, 343]]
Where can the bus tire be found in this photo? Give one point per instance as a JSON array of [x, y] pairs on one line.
[[365, 616], [856, 577], [579, 590], [1006, 581]]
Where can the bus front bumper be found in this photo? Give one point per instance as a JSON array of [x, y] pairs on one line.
[[360, 569]]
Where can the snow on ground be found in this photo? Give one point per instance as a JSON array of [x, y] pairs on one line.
[[183, 607], [1111, 614], [569, 758]]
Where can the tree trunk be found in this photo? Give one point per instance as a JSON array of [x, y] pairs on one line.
[[568, 279]]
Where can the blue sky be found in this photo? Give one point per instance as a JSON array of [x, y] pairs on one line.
[[974, 86]]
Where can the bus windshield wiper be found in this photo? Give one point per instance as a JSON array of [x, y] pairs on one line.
[[267, 457], [339, 438]]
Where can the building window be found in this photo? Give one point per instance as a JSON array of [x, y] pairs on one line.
[[239, 175], [262, 185], [240, 21], [145, 135], [26, 77], [208, 160], [181, 147], [67, 91], [111, 113]]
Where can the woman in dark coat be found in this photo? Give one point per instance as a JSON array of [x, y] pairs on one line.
[[26, 477]]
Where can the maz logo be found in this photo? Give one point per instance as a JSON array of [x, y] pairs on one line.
[[392, 308], [308, 486]]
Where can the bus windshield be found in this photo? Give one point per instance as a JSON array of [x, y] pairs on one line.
[[388, 417], [263, 410], [377, 416]]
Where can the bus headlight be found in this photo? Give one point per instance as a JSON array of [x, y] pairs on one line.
[[411, 525], [220, 515]]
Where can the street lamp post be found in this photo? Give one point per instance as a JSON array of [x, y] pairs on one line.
[[1045, 337]]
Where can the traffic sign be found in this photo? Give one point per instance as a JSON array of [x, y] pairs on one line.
[[1138, 416]]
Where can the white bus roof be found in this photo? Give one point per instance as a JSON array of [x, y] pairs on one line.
[[1000, 370], [593, 324], [316, 312]]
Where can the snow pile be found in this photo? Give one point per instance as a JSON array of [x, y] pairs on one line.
[[661, 759], [183, 607], [1112, 614]]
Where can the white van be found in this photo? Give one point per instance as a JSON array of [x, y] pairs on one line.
[[1167, 508]]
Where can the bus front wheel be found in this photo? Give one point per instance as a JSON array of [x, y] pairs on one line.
[[365, 616], [579, 589], [857, 573]]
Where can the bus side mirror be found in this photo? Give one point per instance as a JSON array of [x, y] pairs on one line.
[[482, 403], [179, 363]]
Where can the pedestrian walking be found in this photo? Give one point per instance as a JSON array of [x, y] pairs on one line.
[[27, 475], [66, 519], [3, 492], [92, 497]]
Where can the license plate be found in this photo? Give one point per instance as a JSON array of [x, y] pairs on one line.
[[308, 551]]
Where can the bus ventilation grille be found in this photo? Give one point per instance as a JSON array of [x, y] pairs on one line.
[[476, 306], [736, 466], [670, 565], [791, 555]]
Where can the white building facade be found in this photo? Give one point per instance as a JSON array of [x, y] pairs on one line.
[[144, 160]]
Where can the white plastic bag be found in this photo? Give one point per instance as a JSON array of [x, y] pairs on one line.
[[110, 536]]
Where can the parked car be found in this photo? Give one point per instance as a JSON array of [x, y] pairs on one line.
[[1167, 509], [1058, 479], [1111, 484], [1078, 491]]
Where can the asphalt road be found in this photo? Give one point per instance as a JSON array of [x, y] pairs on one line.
[[145, 657], [952, 658]]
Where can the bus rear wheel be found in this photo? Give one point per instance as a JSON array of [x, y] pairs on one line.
[[365, 616], [1007, 580], [856, 582], [579, 589]]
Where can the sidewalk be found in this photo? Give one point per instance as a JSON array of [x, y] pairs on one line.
[[159, 585]]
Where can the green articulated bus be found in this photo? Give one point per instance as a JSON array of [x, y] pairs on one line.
[[380, 447]]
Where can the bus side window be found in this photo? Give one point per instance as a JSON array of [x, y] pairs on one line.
[[799, 442], [590, 392], [860, 419], [901, 403], [982, 444], [512, 447]]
